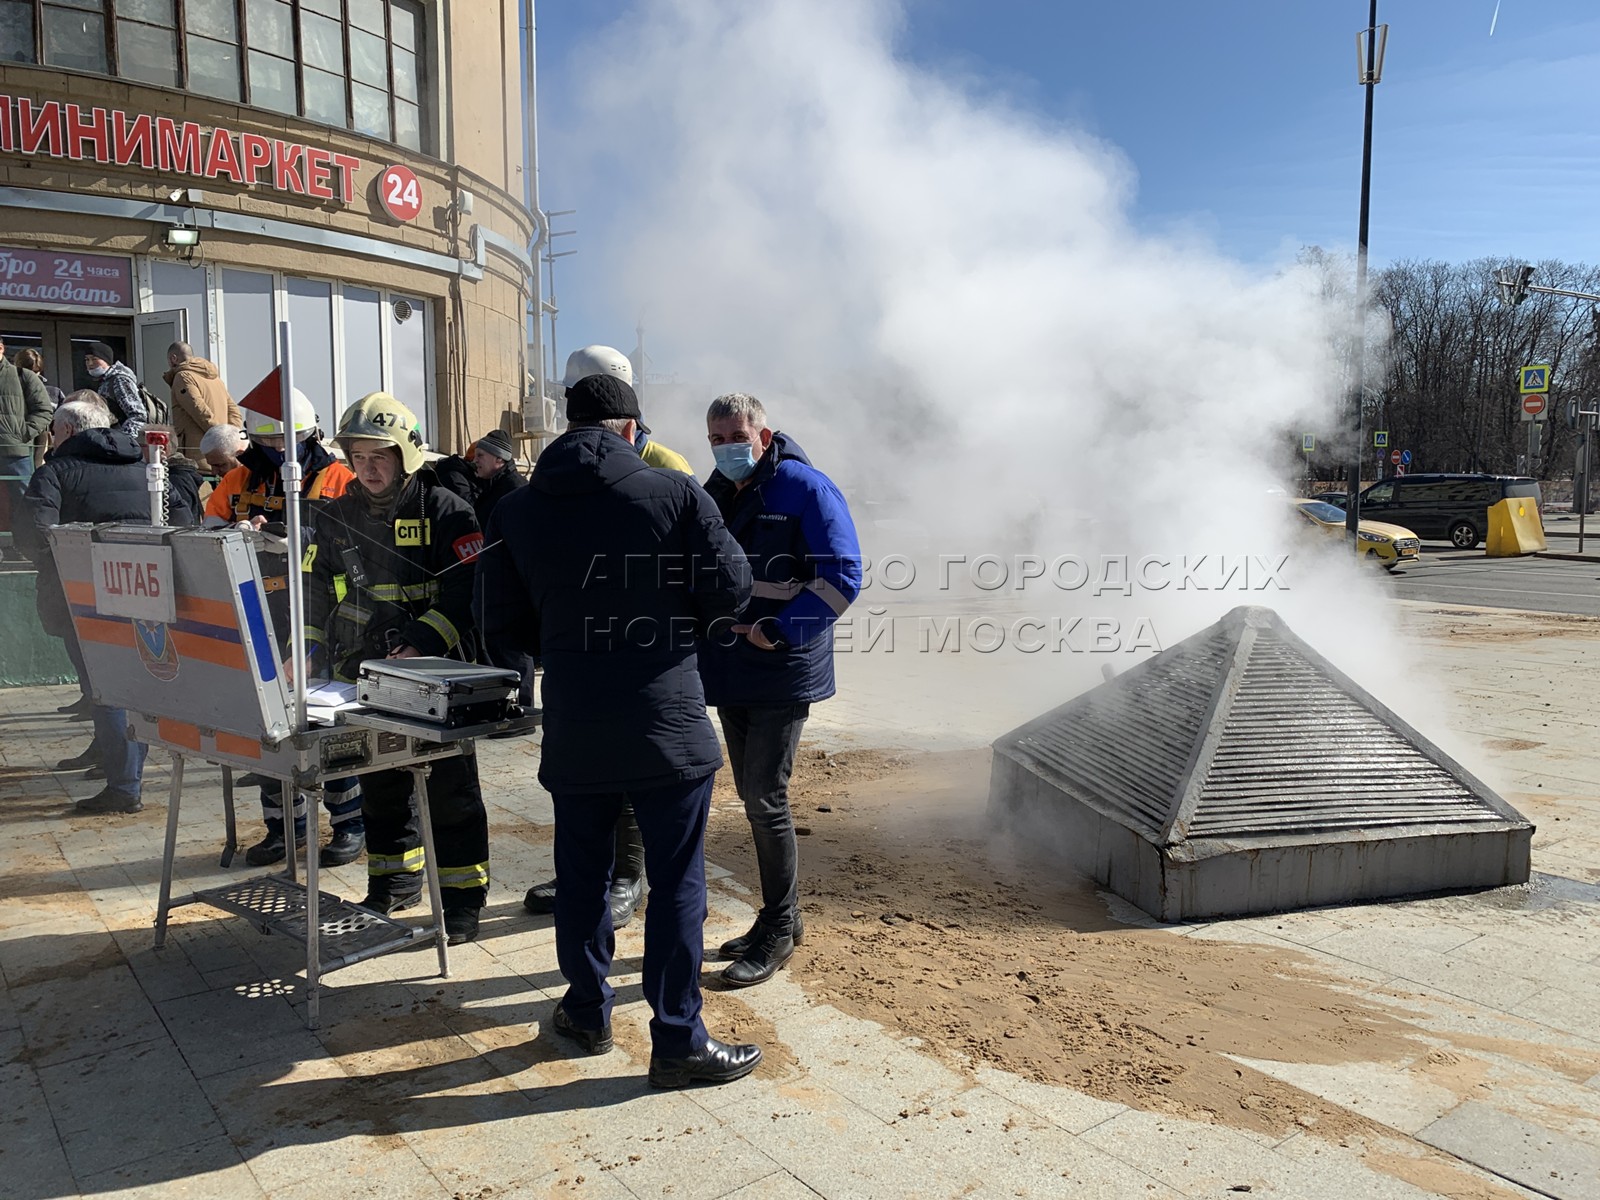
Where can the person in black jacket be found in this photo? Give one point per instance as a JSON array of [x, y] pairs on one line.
[[92, 473], [389, 574], [495, 476], [608, 570]]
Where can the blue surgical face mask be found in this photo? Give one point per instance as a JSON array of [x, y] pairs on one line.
[[274, 455], [736, 460]]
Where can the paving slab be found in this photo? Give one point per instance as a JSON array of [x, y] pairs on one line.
[[1535, 1156]]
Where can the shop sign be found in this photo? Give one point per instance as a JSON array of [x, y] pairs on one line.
[[113, 138], [52, 278], [401, 193]]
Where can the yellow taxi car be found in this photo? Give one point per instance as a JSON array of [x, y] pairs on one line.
[[1391, 545]]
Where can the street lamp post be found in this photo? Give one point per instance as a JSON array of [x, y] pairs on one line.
[[1370, 44]]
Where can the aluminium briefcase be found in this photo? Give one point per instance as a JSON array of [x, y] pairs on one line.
[[441, 690]]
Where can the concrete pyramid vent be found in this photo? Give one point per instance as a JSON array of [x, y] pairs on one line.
[[1240, 772]]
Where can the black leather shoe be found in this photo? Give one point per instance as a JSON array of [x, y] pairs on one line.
[[345, 846], [80, 762], [109, 802], [719, 1062], [83, 706], [595, 1041], [541, 898], [95, 772], [267, 851], [761, 961], [735, 948], [624, 898], [460, 925], [386, 902]]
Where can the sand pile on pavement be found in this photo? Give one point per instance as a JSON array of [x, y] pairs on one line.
[[922, 918]]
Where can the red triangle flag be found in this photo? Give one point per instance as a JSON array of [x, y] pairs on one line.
[[266, 397]]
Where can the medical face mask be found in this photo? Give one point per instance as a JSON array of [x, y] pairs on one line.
[[97, 372], [274, 455], [736, 460]]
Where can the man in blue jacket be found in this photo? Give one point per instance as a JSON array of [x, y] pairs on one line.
[[764, 674], [610, 571]]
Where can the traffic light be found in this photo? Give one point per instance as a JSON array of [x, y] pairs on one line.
[[1515, 286]]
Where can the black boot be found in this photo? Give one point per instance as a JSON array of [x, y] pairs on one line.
[[761, 961], [541, 898], [386, 898], [81, 707], [79, 762], [345, 846], [624, 898], [735, 947], [110, 802], [595, 1041], [268, 850], [627, 876], [716, 1062], [460, 925]]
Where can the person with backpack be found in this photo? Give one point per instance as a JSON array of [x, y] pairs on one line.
[[129, 403]]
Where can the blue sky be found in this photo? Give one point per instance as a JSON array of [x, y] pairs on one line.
[[1241, 119]]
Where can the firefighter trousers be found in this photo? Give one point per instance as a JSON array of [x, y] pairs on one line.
[[395, 856]]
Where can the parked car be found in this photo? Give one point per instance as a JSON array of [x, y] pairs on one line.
[[1442, 507], [1390, 545], [1336, 499]]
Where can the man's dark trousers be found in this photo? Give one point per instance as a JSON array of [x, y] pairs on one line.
[[672, 820], [762, 740]]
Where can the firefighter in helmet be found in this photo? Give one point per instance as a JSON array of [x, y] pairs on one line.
[[389, 571], [251, 495]]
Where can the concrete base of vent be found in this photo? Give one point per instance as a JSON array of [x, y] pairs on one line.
[[1202, 879]]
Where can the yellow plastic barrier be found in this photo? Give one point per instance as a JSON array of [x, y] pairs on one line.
[[1514, 528]]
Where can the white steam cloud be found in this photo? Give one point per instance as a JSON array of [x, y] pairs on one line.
[[943, 300]]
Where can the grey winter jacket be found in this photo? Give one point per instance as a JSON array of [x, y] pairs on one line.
[[25, 410]]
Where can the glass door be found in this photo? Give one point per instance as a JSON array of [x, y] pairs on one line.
[[72, 338]]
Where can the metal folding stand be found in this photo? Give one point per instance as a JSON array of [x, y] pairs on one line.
[[336, 933]]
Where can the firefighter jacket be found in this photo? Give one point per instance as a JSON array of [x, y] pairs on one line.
[[402, 577], [255, 487]]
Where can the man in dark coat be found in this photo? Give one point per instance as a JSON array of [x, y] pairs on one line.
[[764, 675], [94, 474], [608, 570]]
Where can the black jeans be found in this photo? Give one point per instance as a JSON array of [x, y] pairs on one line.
[[762, 740]]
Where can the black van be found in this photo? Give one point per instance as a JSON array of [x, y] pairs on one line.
[[1444, 507]]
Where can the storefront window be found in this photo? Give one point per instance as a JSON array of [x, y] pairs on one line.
[[350, 63], [408, 354], [363, 343], [309, 311], [249, 337], [173, 285]]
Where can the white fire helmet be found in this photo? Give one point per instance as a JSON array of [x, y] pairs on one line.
[[306, 421], [597, 360]]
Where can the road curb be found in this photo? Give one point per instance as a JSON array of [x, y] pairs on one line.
[[1564, 557]]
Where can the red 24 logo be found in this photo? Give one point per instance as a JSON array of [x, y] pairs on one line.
[[401, 193]]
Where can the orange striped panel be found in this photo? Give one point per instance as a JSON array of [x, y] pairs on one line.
[[205, 649], [209, 612], [178, 733], [108, 633], [79, 592], [243, 747]]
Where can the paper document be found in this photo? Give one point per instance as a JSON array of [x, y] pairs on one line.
[[331, 695]]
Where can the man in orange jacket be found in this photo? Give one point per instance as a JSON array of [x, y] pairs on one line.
[[252, 494]]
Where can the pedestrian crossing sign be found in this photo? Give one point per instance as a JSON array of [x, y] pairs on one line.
[[1534, 379], [1308, 443], [1380, 439]]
